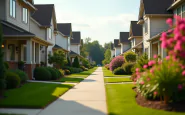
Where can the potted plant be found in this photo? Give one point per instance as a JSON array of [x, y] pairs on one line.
[[21, 65]]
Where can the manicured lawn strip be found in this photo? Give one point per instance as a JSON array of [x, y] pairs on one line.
[[108, 73], [83, 74], [114, 80], [33, 95], [70, 80], [121, 101]]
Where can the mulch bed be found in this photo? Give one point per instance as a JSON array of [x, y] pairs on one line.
[[156, 104]]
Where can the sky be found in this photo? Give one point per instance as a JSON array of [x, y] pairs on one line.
[[100, 20]]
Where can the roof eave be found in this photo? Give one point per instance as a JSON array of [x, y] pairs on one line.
[[175, 4]]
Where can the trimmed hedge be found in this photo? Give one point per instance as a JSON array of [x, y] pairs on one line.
[[119, 71], [130, 57], [73, 69], [42, 73], [54, 74], [67, 72], [128, 67], [12, 80], [23, 76]]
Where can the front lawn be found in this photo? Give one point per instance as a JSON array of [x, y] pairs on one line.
[[83, 74], [70, 80], [108, 73], [33, 95], [121, 101], [117, 80]]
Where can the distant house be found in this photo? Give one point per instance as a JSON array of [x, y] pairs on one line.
[[117, 47], [136, 38], [63, 39], [112, 50], [152, 16], [124, 42], [75, 45], [47, 28]]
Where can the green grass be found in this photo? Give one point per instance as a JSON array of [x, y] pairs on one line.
[[121, 101], [83, 74], [70, 80], [108, 73], [33, 95], [114, 80]]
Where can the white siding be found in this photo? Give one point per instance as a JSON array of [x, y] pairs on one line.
[[146, 36], [125, 47], [18, 20], [112, 53], [62, 41], [117, 51], [75, 48]]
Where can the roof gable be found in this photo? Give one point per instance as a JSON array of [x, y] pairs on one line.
[[65, 28], [124, 37], [76, 38], [136, 29], [116, 43]]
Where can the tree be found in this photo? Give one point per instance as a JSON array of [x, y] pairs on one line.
[[107, 45], [58, 59], [85, 63], [76, 62], [2, 67], [107, 57], [68, 62]]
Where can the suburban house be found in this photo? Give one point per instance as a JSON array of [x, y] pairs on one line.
[[63, 38], [75, 46], [117, 47], [44, 25], [136, 38], [112, 50], [20, 42], [152, 16], [124, 42]]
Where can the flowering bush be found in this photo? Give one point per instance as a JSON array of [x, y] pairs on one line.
[[166, 79], [116, 62], [107, 66]]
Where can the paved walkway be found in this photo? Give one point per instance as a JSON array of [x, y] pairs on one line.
[[86, 98]]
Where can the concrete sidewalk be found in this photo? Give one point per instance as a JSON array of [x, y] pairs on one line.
[[86, 98]]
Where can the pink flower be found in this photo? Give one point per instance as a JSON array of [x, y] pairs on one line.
[[137, 69], [177, 36], [167, 57], [178, 46], [182, 26], [183, 73], [169, 21], [155, 92], [155, 56], [138, 76], [137, 73], [159, 62], [142, 82], [145, 66], [151, 70], [170, 41], [164, 44], [150, 63], [148, 79], [163, 36], [180, 86]]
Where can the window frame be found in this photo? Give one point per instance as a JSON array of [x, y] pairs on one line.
[[25, 15], [12, 8]]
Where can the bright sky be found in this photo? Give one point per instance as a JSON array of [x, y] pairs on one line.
[[100, 20]]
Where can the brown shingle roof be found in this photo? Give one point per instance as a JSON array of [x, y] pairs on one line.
[[44, 14], [124, 37], [76, 38], [65, 28]]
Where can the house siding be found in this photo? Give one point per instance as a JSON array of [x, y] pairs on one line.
[[125, 47], [112, 53], [146, 36], [18, 19], [62, 41], [117, 51], [75, 48], [2, 9]]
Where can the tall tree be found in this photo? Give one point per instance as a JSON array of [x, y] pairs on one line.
[[107, 45], [107, 57], [2, 68]]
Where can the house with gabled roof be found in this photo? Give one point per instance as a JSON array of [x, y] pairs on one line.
[[136, 38], [21, 43], [152, 16], [124, 42], [117, 47], [64, 36], [48, 25], [112, 50]]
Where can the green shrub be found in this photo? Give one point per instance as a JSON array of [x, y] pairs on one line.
[[119, 71], [23, 76], [67, 72], [76, 62], [73, 69], [42, 73], [82, 67], [130, 56], [6, 65], [62, 72], [54, 74], [12, 80], [128, 67]]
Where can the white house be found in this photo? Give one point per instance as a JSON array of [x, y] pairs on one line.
[[117, 47], [112, 50], [124, 42]]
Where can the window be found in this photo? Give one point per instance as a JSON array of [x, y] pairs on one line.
[[25, 15], [146, 26], [12, 8], [12, 51], [50, 33], [179, 11]]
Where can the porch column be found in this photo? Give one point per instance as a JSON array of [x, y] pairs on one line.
[[33, 53], [37, 54], [150, 51], [46, 55], [28, 68]]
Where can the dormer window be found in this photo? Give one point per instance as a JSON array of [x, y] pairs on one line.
[[25, 15], [50, 33], [13, 8]]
